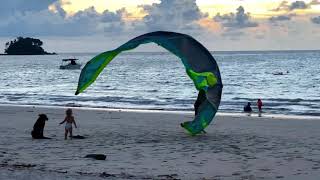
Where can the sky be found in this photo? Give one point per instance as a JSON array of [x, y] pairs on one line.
[[220, 25]]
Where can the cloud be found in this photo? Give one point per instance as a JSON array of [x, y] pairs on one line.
[[56, 7], [45, 18], [88, 30], [113, 23], [108, 16], [94, 22], [234, 35], [296, 5], [9, 7], [283, 6], [314, 2], [315, 20], [53, 21], [281, 18], [239, 20], [47, 23], [178, 15]]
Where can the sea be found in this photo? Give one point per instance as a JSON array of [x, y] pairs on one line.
[[288, 82]]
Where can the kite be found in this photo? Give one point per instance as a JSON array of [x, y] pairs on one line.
[[199, 64]]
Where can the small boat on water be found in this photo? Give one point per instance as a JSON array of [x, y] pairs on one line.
[[280, 73], [70, 64]]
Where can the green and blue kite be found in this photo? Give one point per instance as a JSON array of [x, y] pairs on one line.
[[200, 66]]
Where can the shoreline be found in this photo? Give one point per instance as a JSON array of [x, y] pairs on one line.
[[110, 109]]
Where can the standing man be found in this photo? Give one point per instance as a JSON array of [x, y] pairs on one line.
[[200, 99]]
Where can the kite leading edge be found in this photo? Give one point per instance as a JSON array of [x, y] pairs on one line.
[[200, 66]]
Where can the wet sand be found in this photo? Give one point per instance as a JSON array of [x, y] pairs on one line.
[[151, 145]]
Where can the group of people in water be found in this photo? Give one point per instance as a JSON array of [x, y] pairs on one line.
[[37, 132], [247, 108]]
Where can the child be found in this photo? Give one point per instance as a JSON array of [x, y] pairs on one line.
[[68, 120], [259, 104]]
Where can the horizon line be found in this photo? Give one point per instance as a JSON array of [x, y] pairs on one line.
[[211, 51]]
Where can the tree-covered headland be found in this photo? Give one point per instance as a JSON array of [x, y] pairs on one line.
[[25, 46]]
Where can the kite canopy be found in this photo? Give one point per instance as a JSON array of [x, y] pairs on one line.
[[197, 60]]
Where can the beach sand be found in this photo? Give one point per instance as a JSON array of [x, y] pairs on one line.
[[152, 145]]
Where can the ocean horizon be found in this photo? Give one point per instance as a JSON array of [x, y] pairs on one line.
[[211, 51]]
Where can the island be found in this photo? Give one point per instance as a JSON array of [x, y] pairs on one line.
[[25, 46]]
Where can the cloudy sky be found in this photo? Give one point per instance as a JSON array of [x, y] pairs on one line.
[[99, 25]]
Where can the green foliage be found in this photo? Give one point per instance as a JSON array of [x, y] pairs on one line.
[[25, 46]]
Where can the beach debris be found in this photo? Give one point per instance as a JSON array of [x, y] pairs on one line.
[[199, 64], [96, 156], [169, 176], [104, 174], [17, 166], [86, 173], [122, 175], [61, 171], [78, 137], [24, 165], [234, 146], [236, 174]]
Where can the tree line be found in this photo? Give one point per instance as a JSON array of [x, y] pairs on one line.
[[25, 46]]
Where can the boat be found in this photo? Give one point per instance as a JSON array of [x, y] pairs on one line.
[[70, 64], [280, 73]]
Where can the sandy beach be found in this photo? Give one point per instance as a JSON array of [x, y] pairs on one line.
[[151, 145]]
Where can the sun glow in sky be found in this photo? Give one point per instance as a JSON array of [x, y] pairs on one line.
[[72, 6], [257, 8]]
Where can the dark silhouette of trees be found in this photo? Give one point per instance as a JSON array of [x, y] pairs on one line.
[[25, 46]]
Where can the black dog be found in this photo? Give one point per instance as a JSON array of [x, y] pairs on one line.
[[37, 132]]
